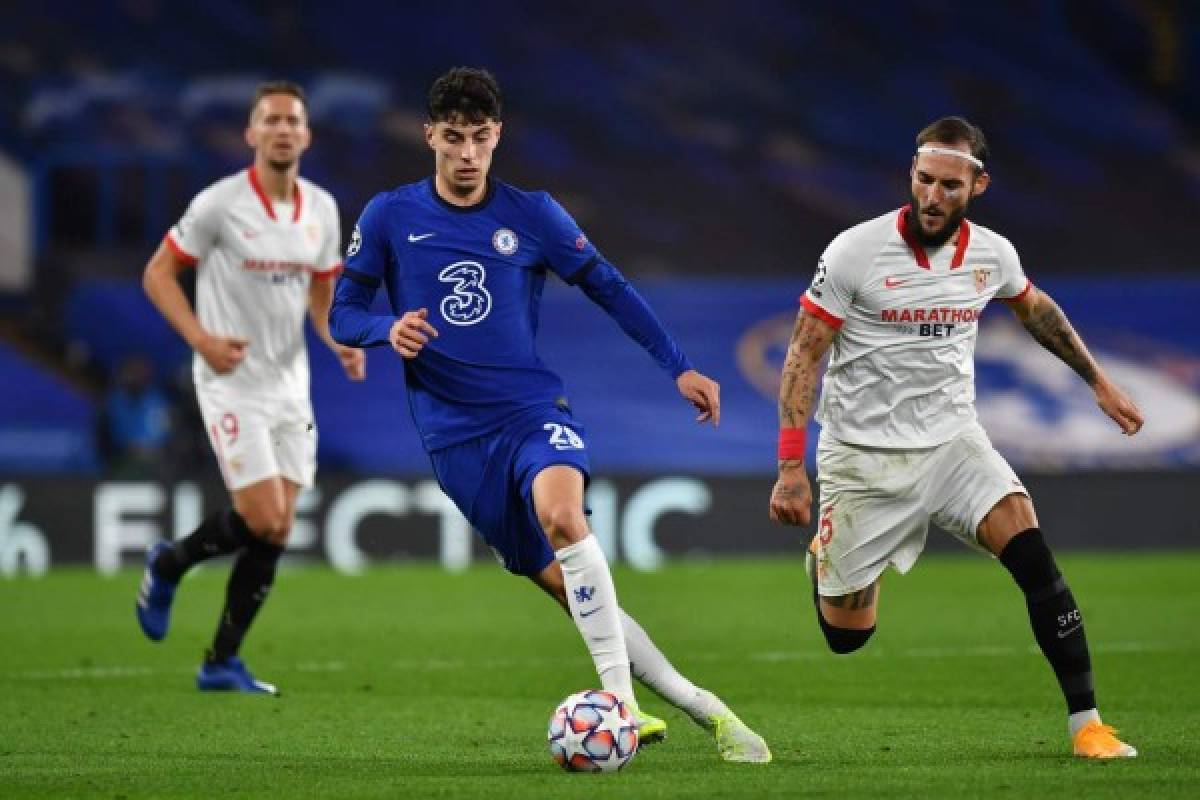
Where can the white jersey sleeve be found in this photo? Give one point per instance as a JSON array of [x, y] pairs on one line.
[[831, 295], [1013, 282], [329, 262], [197, 231]]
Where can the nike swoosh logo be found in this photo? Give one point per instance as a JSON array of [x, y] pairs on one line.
[[412, 237], [589, 613], [892, 283], [1065, 634]]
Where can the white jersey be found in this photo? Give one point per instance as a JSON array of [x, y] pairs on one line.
[[901, 368], [255, 261]]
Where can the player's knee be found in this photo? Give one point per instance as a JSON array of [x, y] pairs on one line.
[[270, 523], [563, 524], [844, 640]]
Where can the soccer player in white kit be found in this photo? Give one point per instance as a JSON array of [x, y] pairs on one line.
[[266, 244], [896, 300]]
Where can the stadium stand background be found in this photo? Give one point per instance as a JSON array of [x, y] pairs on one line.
[[711, 155]]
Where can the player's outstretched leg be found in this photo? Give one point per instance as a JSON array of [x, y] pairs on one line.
[[221, 533], [557, 499], [735, 740], [1058, 627], [552, 579], [592, 601], [250, 582]]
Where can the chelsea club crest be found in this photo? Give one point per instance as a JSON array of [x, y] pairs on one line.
[[505, 242]]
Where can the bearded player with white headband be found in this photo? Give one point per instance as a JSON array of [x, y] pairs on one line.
[[898, 299]]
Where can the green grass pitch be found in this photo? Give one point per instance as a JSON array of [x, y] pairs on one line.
[[410, 682]]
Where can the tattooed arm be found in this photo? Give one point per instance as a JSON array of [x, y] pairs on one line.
[[1047, 323], [791, 500]]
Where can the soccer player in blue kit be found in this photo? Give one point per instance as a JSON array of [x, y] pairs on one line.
[[464, 258]]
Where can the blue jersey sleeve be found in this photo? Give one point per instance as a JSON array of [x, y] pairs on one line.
[[368, 258], [565, 248], [607, 287]]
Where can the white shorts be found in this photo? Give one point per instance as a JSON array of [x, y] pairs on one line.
[[876, 504], [256, 438]]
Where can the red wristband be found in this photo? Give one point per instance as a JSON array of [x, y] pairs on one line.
[[791, 444]]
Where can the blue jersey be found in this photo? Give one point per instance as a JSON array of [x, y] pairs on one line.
[[480, 271]]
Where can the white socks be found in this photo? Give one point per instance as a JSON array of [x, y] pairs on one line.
[[651, 667], [593, 603], [1077, 720]]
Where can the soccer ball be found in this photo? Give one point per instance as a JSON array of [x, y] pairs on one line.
[[592, 731]]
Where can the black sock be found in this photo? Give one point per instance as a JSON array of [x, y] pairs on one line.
[[249, 583], [1057, 623], [221, 533]]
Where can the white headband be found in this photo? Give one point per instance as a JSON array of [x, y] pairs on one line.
[[947, 151]]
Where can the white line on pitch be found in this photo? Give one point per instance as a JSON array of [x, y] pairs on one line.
[[448, 664]]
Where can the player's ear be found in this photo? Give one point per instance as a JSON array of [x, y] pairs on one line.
[[499, 129], [249, 134], [982, 181], [429, 135]]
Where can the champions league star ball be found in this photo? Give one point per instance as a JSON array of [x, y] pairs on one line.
[[592, 731]]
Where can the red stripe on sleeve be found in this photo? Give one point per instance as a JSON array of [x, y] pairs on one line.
[[179, 252], [1019, 297], [820, 313], [328, 274]]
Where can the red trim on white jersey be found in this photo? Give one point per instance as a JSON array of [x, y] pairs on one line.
[[298, 200], [918, 251], [328, 274], [820, 313], [179, 252], [960, 250], [1020, 295], [252, 173]]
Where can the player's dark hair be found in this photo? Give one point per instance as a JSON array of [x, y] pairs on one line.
[[278, 87], [953, 130], [465, 93]]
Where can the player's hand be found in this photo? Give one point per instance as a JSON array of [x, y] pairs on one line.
[[1119, 406], [222, 353], [702, 392], [791, 499], [354, 361], [411, 332]]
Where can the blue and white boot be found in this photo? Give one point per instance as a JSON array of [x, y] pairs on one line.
[[231, 675], [155, 597]]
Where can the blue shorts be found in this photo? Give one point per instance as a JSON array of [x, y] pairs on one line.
[[490, 479]]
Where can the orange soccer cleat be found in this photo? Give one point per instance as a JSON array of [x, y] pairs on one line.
[[1097, 740]]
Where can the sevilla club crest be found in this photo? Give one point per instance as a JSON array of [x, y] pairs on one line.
[[981, 279]]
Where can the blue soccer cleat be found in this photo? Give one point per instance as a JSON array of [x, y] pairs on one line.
[[155, 597], [231, 675]]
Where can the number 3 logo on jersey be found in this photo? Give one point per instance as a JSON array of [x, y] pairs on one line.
[[468, 302]]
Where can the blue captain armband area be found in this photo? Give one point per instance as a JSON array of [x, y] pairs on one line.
[[350, 320], [606, 287]]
